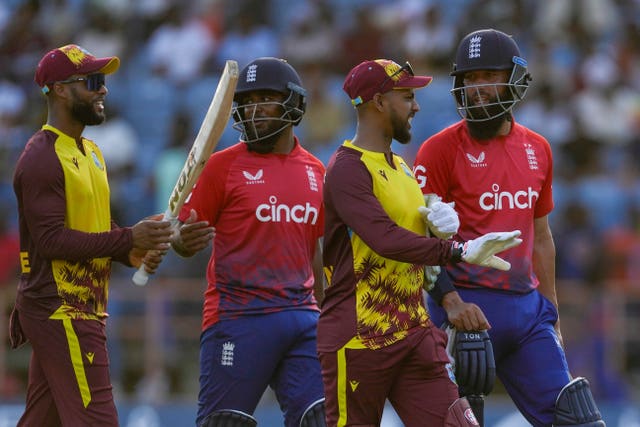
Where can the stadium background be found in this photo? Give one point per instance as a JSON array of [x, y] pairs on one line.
[[584, 56]]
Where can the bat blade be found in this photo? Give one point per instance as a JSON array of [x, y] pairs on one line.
[[211, 129]]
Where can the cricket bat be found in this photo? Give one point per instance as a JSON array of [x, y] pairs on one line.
[[211, 129]]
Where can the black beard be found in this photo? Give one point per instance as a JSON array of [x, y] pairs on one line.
[[403, 137], [85, 113], [487, 129], [264, 146], [399, 129]]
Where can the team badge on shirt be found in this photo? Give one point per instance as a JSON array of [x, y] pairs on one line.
[[311, 176], [531, 156], [406, 170], [96, 160]]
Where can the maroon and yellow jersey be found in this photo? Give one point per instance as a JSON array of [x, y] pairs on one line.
[[374, 251], [67, 238]]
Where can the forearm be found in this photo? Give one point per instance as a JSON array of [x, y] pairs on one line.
[[450, 300], [318, 274], [441, 288], [54, 240], [544, 255], [544, 269], [74, 245], [465, 316]]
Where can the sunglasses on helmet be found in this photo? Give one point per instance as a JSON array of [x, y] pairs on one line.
[[93, 81]]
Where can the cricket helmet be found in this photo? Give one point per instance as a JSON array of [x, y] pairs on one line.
[[489, 49], [268, 73]]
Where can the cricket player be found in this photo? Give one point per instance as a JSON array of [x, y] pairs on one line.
[[67, 244], [375, 338], [264, 198], [499, 174]]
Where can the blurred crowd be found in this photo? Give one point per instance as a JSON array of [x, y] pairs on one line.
[[584, 56]]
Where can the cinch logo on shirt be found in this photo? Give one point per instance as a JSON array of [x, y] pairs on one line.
[[496, 200], [274, 212], [420, 173]]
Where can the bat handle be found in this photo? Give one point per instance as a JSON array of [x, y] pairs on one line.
[[141, 277]]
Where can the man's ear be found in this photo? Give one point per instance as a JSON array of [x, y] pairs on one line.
[[377, 100], [58, 89]]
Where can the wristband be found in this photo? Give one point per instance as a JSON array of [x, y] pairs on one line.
[[441, 287], [456, 252]]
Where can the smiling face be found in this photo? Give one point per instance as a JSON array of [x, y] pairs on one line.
[[87, 106], [263, 112], [263, 118], [485, 90]]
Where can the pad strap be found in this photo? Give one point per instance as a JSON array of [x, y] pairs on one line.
[[229, 418], [575, 406], [314, 415]]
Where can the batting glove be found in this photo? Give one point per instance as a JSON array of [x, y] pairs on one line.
[[440, 217], [475, 364], [431, 273], [471, 356], [481, 251]]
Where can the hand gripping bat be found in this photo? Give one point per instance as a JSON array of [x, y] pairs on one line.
[[211, 130]]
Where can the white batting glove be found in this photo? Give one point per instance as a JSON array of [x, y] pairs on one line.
[[431, 273], [451, 344], [481, 251], [440, 217]]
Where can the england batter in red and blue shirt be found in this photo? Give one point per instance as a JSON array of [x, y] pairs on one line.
[[504, 183], [268, 215], [500, 184]]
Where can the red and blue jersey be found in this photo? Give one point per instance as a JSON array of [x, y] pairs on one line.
[[502, 184], [268, 214]]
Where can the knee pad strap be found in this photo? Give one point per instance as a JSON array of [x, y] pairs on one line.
[[313, 416], [576, 407], [229, 418]]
